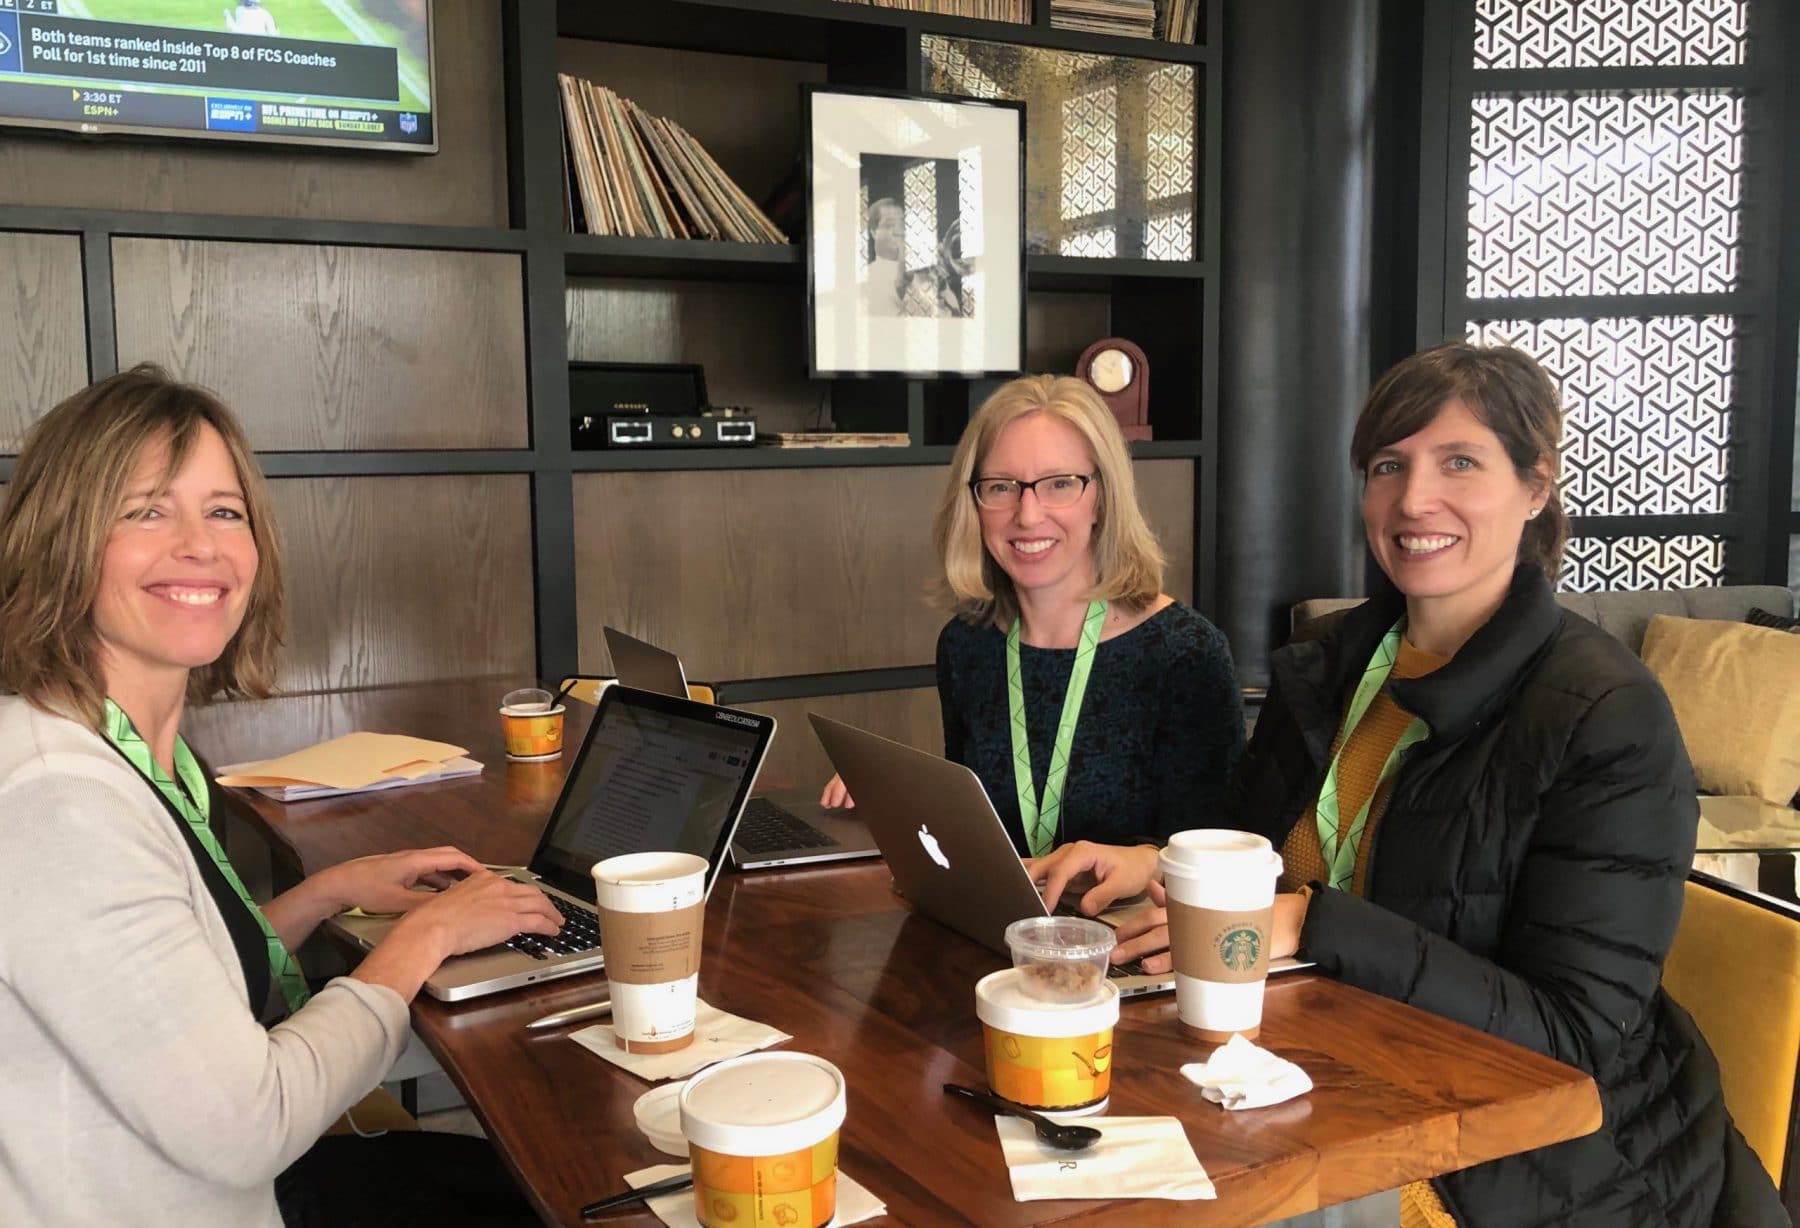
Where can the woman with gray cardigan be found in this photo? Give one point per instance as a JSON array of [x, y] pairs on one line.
[[163, 1059]]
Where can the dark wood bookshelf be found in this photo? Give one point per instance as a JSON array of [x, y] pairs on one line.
[[805, 29], [682, 259]]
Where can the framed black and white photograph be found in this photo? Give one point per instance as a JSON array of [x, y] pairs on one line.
[[915, 243]]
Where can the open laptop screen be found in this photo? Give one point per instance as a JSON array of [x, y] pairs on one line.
[[654, 773]]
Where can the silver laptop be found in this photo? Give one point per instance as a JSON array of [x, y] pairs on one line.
[[780, 828], [645, 666], [947, 848], [655, 772]]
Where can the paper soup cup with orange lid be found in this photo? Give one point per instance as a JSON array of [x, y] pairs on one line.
[[762, 1134], [1046, 1055]]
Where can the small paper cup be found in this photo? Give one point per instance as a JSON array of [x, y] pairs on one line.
[[532, 724], [1046, 1055], [762, 1133]]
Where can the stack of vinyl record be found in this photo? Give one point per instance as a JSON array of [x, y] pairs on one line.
[[1181, 20], [1125, 18], [1016, 11], [637, 174]]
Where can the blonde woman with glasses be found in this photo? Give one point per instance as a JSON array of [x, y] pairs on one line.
[[163, 1059], [1093, 706]]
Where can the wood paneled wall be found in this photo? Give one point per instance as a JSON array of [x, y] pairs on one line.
[[763, 572], [403, 579], [43, 335], [321, 348], [759, 572], [464, 184], [795, 757]]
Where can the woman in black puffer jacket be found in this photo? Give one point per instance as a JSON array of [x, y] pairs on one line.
[[1529, 819]]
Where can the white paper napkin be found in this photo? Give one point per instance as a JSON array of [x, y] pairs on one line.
[[1136, 1157], [717, 1036], [1240, 1075], [854, 1202]]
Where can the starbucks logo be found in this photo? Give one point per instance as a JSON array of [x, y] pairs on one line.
[[1239, 947]]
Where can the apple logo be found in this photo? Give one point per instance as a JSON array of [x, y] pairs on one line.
[[931, 847]]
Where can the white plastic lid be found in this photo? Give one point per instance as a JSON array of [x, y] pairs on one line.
[[1001, 1002], [763, 1104], [658, 1113], [1207, 848]]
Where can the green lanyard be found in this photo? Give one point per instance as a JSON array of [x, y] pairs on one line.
[[1341, 857], [191, 803], [1040, 821]]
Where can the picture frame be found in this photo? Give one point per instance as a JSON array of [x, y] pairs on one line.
[[915, 234]]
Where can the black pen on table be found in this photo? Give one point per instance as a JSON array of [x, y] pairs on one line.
[[575, 1014], [668, 1185]]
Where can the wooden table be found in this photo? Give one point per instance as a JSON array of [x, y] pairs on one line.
[[829, 955]]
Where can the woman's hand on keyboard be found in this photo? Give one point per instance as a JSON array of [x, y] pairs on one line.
[[482, 910], [396, 882], [1115, 871], [836, 796]]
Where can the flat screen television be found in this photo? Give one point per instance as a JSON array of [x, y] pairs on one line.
[[354, 73]]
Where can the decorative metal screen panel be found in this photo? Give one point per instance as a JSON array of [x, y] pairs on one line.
[[1594, 564], [1608, 33], [1111, 143], [1647, 408], [1604, 194]]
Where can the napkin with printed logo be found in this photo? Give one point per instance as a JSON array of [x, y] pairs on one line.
[[1136, 1157], [1240, 1075], [854, 1202], [717, 1036]]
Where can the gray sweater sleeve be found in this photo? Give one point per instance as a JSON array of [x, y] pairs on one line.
[[130, 978]]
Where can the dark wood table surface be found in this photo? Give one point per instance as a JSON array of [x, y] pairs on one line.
[[829, 955]]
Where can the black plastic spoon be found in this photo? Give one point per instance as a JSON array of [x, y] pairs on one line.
[[1056, 1133]]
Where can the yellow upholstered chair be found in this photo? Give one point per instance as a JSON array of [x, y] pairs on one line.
[[586, 688], [376, 1113], [1735, 966]]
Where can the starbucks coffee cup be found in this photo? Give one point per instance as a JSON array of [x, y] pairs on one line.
[[651, 907], [762, 1133], [1052, 1056], [1221, 905]]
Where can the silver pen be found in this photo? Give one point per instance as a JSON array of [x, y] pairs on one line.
[[575, 1014]]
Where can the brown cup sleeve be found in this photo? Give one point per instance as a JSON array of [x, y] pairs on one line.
[[1210, 944], [649, 948]]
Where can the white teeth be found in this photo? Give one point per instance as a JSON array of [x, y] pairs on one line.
[[193, 596], [1036, 547], [1425, 545]]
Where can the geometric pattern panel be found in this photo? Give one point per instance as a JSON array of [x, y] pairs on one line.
[[1090, 154], [1595, 564], [1608, 33], [1647, 408], [1604, 194], [1169, 164], [1089, 117]]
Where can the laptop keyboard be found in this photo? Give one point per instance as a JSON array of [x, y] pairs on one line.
[[767, 828], [580, 932]]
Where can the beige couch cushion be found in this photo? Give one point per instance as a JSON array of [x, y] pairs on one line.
[[1736, 694]]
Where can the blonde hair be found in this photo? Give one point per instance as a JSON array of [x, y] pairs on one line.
[[61, 507], [1128, 562]]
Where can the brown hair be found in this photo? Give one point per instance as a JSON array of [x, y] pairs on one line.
[[1127, 560], [1509, 393], [61, 507]]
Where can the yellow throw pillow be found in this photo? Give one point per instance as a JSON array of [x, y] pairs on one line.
[[1736, 693]]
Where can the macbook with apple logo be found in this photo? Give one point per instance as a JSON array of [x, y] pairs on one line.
[[945, 845]]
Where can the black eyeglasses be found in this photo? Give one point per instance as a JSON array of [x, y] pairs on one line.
[[1052, 490]]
